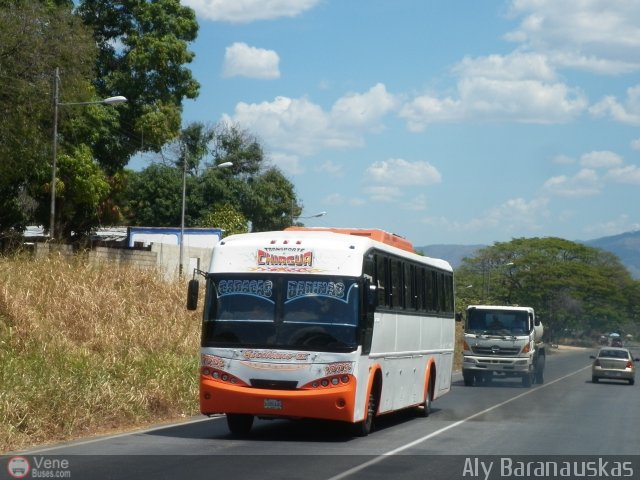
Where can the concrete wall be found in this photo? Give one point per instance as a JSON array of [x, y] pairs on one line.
[[161, 256], [168, 259]]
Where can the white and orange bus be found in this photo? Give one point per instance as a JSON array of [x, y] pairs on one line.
[[335, 324]]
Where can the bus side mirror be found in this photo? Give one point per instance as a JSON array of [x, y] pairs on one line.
[[192, 294]]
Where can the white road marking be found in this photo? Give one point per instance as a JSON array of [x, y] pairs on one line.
[[395, 451]]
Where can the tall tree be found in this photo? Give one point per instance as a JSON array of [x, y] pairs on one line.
[[143, 52], [572, 286], [34, 40], [154, 196], [248, 191]]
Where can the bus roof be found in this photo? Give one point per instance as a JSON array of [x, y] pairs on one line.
[[372, 233], [316, 251]]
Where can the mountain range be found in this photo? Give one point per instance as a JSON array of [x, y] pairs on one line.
[[626, 246]]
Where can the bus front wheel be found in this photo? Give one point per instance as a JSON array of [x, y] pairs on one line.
[[363, 428], [239, 423]]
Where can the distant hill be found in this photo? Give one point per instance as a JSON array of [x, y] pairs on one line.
[[451, 253], [625, 245]]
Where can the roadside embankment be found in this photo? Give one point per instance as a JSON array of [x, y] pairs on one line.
[[88, 349]]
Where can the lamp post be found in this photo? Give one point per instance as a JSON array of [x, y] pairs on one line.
[[56, 104], [316, 215], [184, 198]]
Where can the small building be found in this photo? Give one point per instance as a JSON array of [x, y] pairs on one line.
[[193, 237]]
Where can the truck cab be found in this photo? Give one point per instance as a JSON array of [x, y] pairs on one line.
[[502, 341]]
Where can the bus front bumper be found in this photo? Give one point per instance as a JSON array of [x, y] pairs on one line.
[[327, 403]]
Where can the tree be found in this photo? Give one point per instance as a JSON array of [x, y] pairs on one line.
[[142, 55], [83, 188], [34, 40], [258, 194], [271, 202], [573, 287], [227, 217], [154, 196]]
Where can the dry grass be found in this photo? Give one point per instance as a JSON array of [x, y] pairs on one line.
[[88, 348]]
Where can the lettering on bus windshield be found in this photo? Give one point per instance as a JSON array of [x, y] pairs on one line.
[[261, 288], [296, 289]]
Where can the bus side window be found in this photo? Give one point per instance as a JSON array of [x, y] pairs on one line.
[[396, 285], [422, 285], [381, 279]]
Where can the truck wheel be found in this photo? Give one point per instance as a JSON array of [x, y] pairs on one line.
[[239, 423], [468, 378], [540, 370], [527, 380]]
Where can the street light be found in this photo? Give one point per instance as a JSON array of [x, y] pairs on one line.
[[316, 215], [56, 104], [184, 197]]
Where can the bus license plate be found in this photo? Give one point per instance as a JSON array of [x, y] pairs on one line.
[[272, 404]]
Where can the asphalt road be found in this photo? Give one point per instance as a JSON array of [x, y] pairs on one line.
[[471, 431]]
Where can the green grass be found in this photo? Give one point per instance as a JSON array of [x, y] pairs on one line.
[[86, 349]]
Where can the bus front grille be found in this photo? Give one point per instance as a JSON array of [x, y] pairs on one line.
[[274, 384]]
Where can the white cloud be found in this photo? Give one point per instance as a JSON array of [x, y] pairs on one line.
[[601, 36], [365, 109], [399, 172], [417, 203], [334, 199], [584, 184], [620, 224], [600, 159], [628, 113], [383, 193], [244, 11], [331, 168], [288, 163], [511, 217], [627, 174], [241, 60], [635, 144], [299, 126], [517, 88]]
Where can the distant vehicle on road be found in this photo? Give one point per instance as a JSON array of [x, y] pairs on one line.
[[503, 341], [616, 342], [613, 363]]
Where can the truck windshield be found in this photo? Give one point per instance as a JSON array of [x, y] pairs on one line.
[[497, 322], [280, 311]]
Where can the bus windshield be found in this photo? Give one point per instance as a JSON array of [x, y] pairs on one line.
[[497, 322], [281, 311]]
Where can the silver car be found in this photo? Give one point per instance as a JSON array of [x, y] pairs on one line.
[[614, 363]]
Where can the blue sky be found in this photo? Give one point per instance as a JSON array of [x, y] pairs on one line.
[[451, 121]]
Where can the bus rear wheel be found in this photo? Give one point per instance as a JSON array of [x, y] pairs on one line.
[[239, 423]]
